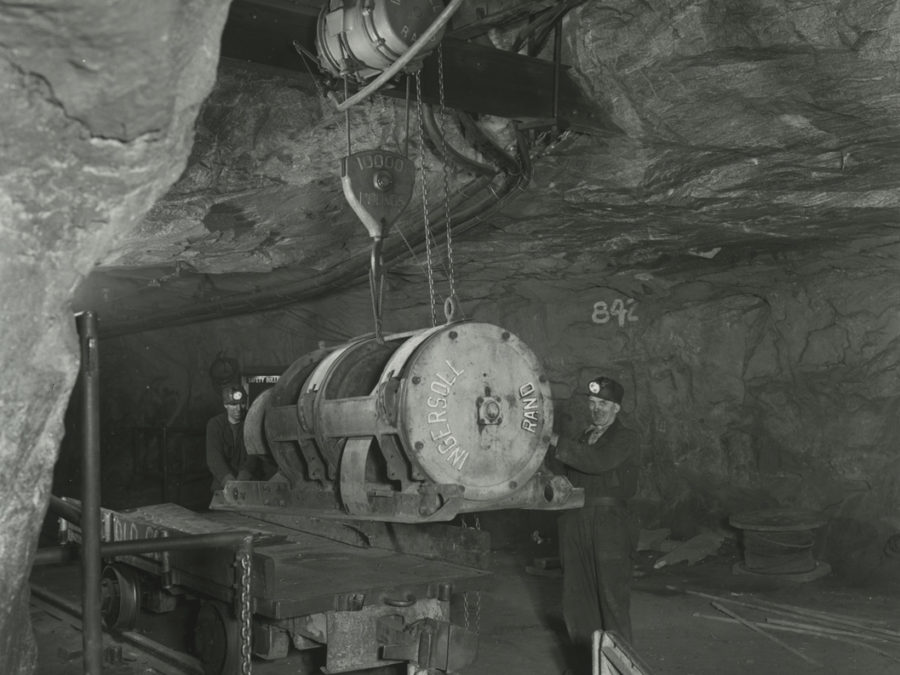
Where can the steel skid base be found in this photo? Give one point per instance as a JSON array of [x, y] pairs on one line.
[[430, 503]]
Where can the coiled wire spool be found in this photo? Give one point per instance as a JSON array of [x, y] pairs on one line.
[[780, 543]]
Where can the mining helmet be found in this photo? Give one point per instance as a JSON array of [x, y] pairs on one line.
[[233, 394], [606, 388]]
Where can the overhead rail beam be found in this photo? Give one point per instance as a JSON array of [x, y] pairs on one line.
[[477, 78]]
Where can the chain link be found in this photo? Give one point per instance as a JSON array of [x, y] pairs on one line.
[[472, 610], [472, 607], [428, 263], [444, 154], [244, 562]]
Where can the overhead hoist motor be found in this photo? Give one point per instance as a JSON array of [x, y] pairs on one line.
[[360, 39]]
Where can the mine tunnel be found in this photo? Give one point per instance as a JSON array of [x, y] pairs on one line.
[[477, 337]]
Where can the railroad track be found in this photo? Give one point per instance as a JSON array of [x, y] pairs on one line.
[[124, 649]]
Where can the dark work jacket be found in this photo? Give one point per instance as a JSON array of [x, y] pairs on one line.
[[225, 452], [608, 469]]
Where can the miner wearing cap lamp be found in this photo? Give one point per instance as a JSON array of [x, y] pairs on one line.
[[226, 455], [597, 541]]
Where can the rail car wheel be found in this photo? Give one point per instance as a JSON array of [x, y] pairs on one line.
[[120, 598], [217, 639]]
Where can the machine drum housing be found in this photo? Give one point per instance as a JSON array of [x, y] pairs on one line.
[[419, 426]]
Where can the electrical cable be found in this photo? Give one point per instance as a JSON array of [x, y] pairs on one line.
[[486, 145], [438, 143], [339, 276], [481, 196], [543, 26]]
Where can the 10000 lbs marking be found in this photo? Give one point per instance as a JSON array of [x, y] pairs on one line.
[[445, 442]]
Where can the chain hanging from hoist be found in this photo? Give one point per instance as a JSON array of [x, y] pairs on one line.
[[378, 185], [358, 39], [451, 303], [452, 310], [244, 557]]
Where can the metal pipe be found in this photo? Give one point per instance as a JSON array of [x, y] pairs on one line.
[[53, 555], [92, 632], [193, 542], [61, 554], [65, 509]]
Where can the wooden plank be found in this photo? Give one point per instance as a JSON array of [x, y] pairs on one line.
[[307, 581], [173, 517]]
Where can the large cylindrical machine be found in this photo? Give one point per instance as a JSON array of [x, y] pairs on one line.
[[419, 426]]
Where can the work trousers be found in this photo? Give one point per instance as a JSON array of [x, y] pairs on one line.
[[596, 544]]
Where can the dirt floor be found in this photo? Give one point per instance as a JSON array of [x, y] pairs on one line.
[[677, 629], [680, 633]]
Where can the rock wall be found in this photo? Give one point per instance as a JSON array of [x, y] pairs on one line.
[[99, 101], [766, 381]]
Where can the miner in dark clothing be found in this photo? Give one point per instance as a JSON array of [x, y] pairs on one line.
[[226, 456], [597, 541]]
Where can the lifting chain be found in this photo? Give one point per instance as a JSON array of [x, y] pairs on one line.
[[378, 185], [428, 264], [244, 562], [472, 610], [451, 304], [472, 599], [390, 185]]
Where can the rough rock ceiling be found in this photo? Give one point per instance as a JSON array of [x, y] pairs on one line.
[[699, 131]]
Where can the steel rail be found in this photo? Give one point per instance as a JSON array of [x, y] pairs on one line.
[[163, 657]]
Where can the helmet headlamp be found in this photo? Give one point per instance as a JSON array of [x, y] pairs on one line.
[[234, 395]]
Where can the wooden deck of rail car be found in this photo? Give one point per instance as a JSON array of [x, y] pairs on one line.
[[303, 574], [296, 573]]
